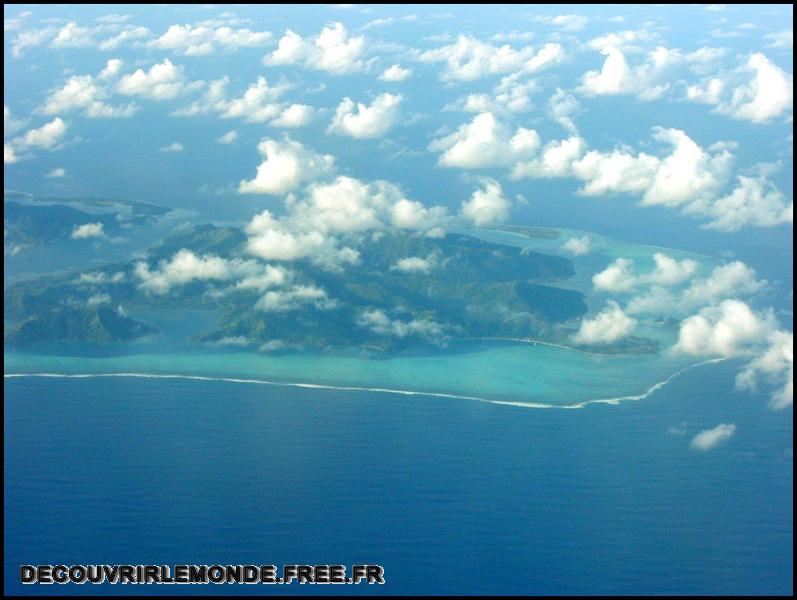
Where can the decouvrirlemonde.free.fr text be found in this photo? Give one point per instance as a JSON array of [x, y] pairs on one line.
[[201, 574]]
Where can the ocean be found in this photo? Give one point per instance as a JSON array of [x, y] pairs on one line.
[[450, 496]]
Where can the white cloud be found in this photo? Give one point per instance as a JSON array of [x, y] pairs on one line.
[[414, 264], [112, 68], [776, 364], [173, 147], [332, 51], [755, 201], [711, 438], [57, 173], [732, 279], [380, 323], [127, 34], [557, 159], [484, 142], [271, 276], [766, 95], [295, 297], [561, 107], [609, 325], [758, 91], [88, 230], [487, 205], [296, 115], [83, 92], [9, 155], [566, 22], [259, 103], [228, 138], [511, 95], [469, 59], [185, 267], [47, 137], [361, 121], [202, 40], [285, 165], [689, 178], [163, 81], [578, 246], [648, 80], [395, 73], [781, 39], [617, 277], [72, 35], [669, 271], [30, 38], [317, 224], [725, 330], [411, 214]]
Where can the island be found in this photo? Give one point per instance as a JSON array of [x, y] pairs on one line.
[[404, 289]]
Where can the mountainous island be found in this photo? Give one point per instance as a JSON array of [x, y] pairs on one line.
[[403, 289]]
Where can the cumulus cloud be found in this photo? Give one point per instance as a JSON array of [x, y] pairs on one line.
[[295, 297], [511, 95], [562, 106], [767, 93], [776, 365], [731, 279], [414, 264], [173, 147], [228, 138], [72, 35], [469, 58], [485, 142], [711, 438], [617, 277], [286, 164], [162, 81], [295, 115], [186, 266], [781, 39], [578, 246], [566, 22], [201, 40], [83, 92], [362, 121], [88, 230], [380, 323], [318, 224], [411, 214], [47, 137], [688, 178], [609, 325], [726, 330], [127, 34], [333, 51], [56, 173], [650, 79], [395, 73], [261, 102], [487, 205]]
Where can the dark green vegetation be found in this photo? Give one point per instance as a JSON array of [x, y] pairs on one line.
[[472, 289], [32, 220]]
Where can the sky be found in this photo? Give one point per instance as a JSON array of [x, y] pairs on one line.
[[665, 125]]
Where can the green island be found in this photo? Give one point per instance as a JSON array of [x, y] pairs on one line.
[[468, 288]]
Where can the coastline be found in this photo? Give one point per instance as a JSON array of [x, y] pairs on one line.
[[307, 385]]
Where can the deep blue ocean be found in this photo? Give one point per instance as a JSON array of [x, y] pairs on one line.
[[449, 496]]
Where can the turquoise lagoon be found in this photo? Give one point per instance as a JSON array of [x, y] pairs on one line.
[[521, 372]]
